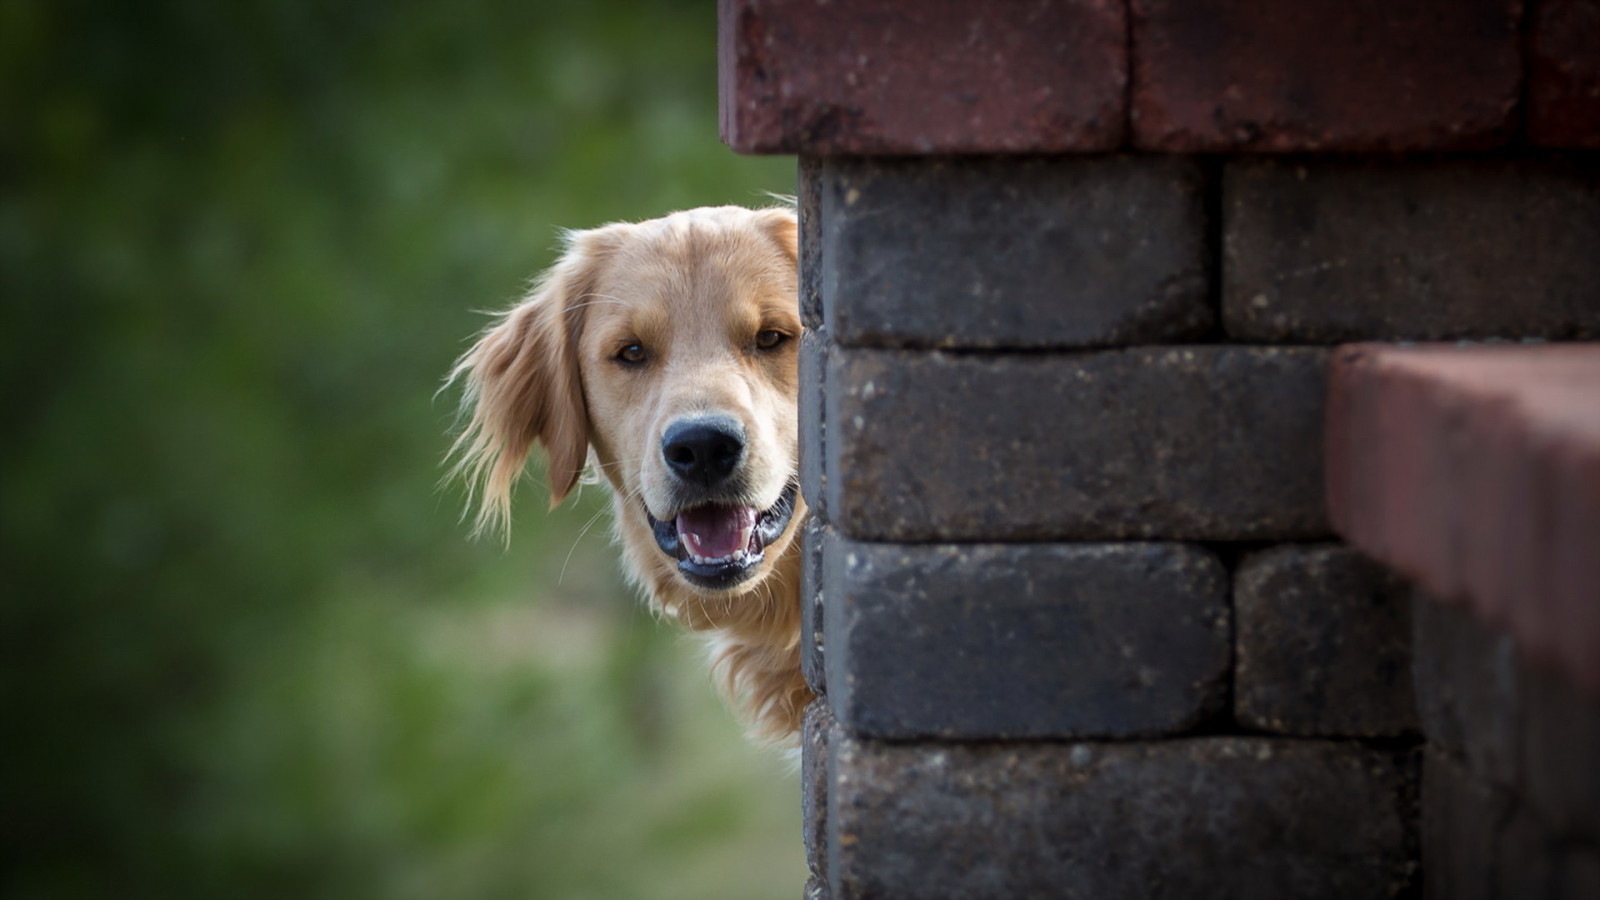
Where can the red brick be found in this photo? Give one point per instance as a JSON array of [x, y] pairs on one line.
[[921, 76], [1324, 74], [1476, 471], [1564, 74]]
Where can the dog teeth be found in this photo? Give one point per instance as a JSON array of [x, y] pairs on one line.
[[720, 560]]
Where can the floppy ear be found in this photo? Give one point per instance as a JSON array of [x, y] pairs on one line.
[[523, 387], [784, 228]]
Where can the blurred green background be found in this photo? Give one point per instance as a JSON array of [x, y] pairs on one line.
[[249, 650]]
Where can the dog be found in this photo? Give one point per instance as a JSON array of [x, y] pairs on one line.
[[663, 355]]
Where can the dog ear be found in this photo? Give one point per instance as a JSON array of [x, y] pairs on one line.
[[522, 387], [784, 228]]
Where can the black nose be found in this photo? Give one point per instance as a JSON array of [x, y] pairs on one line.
[[704, 451]]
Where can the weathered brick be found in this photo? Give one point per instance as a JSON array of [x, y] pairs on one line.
[[1014, 252], [1177, 443], [1467, 683], [817, 724], [813, 426], [1324, 74], [1195, 818], [1323, 644], [811, 606], [1560, 734], [1322, 251], [921, 76], [1025, 640], [1476, 472], [809, 204], [1564, 74]]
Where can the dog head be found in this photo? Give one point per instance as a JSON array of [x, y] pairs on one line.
[[665, 353]]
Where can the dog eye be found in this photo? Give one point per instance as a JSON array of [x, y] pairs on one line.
[[769, 339], [632, 354]]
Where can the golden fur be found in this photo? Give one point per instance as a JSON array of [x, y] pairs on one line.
[[698, 294]]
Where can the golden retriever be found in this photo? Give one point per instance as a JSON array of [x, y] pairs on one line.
[[663, 355]]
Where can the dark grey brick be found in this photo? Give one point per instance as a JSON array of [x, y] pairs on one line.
[[1014, 251], [815, 727], [813, 428], [1467, 686], [1221, 443], [811, 603], [1024, 640], [809, 202], [1323, 644], [1195, 818], [1561, 753], [1321, 251]]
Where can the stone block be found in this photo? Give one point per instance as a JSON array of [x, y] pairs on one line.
[[1564, 75], [1025, 640], [1322, 644], [999, 252], [813, 426], [1467, 683], [809, 204], [811, 606], [1324, 75], [1196, 818], [815, 727], [1325, 251], [1202, 443], [921, 76]]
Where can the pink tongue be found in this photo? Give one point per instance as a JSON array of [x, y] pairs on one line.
[[716, 532]]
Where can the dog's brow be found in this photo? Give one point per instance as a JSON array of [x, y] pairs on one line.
[[590, 299]]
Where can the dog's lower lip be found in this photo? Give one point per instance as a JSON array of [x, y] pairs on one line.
[[728, 571]]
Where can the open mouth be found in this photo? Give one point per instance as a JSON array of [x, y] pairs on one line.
[[718, 545]]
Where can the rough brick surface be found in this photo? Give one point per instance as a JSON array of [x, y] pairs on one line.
[[815, 728], [813, 428], [811, 604], [1324, 74], [1007, 252], [1323, 644], [1025, 640], [1476, 472], [1322, 251], [1199, 818], [809, 204], [921, 76], [1467, 681], [1177, 443], [1564, 74]]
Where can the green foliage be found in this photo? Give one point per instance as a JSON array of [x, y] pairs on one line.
[[249, 650]]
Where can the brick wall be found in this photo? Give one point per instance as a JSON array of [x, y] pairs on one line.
[[1072, 273]]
